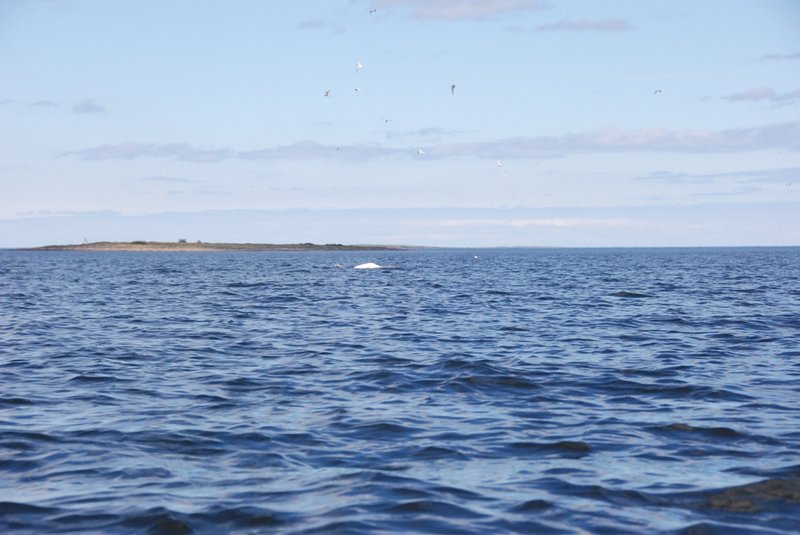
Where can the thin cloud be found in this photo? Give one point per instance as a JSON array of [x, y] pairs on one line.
[[784, 136], [199, 192], [304, 150], [316, 24], [779, 175], [587, 25], [169, 180], [736, 192], [795, 56], [133, 151], [761, 94], [433, 132], [774, 136], [43, 104], [319, 24], [68, 213], [461, 9], [677, 178], [88, 107], [563, 222]]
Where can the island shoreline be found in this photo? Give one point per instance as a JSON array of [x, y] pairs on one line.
[[182, 246]]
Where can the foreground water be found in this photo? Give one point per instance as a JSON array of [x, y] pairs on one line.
[[530, 391]]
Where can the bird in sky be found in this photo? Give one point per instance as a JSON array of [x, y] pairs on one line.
[[327, 93], [371, 11], [356, 89], [420, 152], [499, 163], [358, 66], [657, 91], [453, 89]]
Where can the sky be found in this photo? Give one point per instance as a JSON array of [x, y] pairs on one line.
[[464, 123]]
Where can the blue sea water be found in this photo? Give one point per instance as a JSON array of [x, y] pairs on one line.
[[455, 391]]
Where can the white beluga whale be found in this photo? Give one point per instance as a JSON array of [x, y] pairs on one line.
[[368, 265]]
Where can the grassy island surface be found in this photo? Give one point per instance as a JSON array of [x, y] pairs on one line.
[[208, 246]]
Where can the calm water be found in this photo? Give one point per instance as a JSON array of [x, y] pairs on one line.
[[522, 391]]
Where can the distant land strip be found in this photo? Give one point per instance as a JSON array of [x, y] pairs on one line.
[[208, 246]]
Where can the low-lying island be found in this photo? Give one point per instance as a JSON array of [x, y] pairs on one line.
[[209, 246]]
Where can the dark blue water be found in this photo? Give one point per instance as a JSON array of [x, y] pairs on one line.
[[522, 391]]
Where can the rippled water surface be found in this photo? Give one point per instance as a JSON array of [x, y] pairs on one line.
[[455, 391]]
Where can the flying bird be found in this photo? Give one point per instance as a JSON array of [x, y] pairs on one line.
[[453, 89], [358, 66], [657, 91], [356, 89], [371, 11], [420, 152], [327, 93], [499, 163]]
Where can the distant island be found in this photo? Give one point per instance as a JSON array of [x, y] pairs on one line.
[[183, 245]]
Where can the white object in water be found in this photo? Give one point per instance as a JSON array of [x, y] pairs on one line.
[[368, 265]]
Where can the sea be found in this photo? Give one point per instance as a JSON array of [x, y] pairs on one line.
[[467, 391]]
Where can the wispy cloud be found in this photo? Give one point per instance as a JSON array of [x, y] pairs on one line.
[[88, 107], [315, 24], [795, 56], [319, 24], [69, 213], [303, 150], [779, 175], [431, 132], [564, 222], [784, 136], [169, 179], [461, 9], [760, 94], [774, 136], [132, 151], [44, 104], [587, 25]]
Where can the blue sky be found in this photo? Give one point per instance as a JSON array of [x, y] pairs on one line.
[[572, 123]]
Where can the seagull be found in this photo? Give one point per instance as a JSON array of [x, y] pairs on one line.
[[327, 93], [453, 89], [371, 11], [420, 152], [358, 66], [388, 120], [499, 163], [657, 91], [356, 89]]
